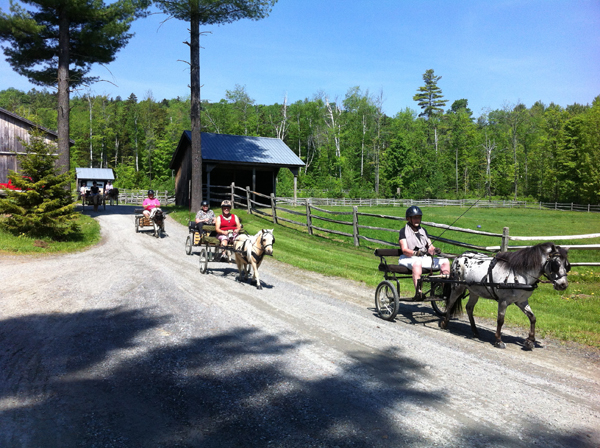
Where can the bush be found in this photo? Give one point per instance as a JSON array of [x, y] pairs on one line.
[[44, 207]]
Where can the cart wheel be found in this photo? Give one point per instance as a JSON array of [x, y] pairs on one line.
[[137, 225], [188, 245], [386, 300], [439, 307], [203, 261]]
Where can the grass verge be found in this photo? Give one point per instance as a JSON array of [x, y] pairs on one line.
[[22, 244]]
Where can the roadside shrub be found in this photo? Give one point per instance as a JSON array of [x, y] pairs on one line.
[[44, 207]]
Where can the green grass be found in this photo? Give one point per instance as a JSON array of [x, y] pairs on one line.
[[89, 235], [571, 315]]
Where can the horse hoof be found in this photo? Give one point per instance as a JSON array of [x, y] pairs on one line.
[[442, 325], [528, 345], [258, 286], [500, 344]]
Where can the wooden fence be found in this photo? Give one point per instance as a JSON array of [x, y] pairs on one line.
[[477, 203], [136, 197], [269, 206]]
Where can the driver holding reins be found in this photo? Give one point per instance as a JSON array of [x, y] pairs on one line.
[[417, 248], [227, 225]]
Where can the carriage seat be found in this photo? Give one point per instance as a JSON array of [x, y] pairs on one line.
[[384, 266]]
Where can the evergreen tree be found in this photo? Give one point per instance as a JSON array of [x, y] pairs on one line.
[[207, 12], [430, 96], [43, 207], [56, 44]]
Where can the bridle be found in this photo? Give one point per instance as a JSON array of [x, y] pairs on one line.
[[553, 262], [262, 239]]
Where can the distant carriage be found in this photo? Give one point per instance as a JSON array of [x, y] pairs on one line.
[[85, 178]]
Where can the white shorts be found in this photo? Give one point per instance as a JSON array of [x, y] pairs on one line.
[[424, 261]]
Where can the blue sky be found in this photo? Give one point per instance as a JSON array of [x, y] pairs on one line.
[[493, 53]]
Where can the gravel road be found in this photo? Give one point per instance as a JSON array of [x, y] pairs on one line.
[[128, 345]]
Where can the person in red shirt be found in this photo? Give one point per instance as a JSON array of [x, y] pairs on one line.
[[227, 225]]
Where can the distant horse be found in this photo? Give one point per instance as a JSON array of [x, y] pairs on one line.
[[113, 195], [250, 250], [507, 278]]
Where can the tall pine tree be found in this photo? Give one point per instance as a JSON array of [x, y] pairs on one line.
[[56, 43], [207, 12]]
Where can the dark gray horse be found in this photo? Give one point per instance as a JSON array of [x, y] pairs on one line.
[[507, 278]]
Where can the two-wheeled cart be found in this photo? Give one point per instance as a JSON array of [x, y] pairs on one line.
[[435, 288], [208, 245], [142, 222]]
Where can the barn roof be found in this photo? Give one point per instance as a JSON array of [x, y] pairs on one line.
[[32, 124], [226, 148], [95, 173]]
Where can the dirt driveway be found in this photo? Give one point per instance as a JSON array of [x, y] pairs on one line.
[[128, 345]]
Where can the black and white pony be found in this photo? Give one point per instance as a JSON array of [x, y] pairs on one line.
[[250, 250], [507, 278], [158, 221]]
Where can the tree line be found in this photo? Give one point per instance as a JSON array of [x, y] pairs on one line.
[[349, 145]]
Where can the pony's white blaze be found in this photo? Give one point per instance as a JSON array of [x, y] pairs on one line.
[[511, 278]]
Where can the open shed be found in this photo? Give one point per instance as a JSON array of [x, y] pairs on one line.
[[91, 175], [247, 161]]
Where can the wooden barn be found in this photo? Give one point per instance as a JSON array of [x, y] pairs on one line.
[[248, 161], [12, 128]]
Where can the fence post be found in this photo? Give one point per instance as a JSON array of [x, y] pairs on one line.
[[308, 219], [248, 200], [504, 245], [273, 208], [355, 225], [233, 194], [571, 206]]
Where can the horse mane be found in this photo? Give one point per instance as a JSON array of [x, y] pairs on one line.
[[529, 258]]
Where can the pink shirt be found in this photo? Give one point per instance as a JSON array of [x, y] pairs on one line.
[[149, 204]]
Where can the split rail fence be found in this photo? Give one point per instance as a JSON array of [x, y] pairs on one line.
[[270, 206]]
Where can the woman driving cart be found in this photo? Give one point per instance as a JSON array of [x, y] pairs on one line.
[[418, 250], [227, 225], [150, 203]]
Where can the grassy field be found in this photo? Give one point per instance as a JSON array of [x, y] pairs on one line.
[[89, 235], [571, 315]]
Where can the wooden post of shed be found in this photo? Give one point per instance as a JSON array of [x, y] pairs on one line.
[[248, 200], [273, 208], [504, 245], [355, 225], [308, 219], [295, 189]]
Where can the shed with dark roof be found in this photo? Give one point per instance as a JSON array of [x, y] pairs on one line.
[[246, 161]]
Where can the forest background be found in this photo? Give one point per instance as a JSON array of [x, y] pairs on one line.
[[350, 146]]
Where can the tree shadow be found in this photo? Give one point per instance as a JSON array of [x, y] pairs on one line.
[[86, 379]]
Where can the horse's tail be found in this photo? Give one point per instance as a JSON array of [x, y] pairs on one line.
[[456, 309]]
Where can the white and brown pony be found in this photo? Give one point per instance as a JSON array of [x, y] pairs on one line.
[[507, 278], [250, 250]]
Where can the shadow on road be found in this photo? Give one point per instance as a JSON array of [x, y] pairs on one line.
[[79, 380]]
